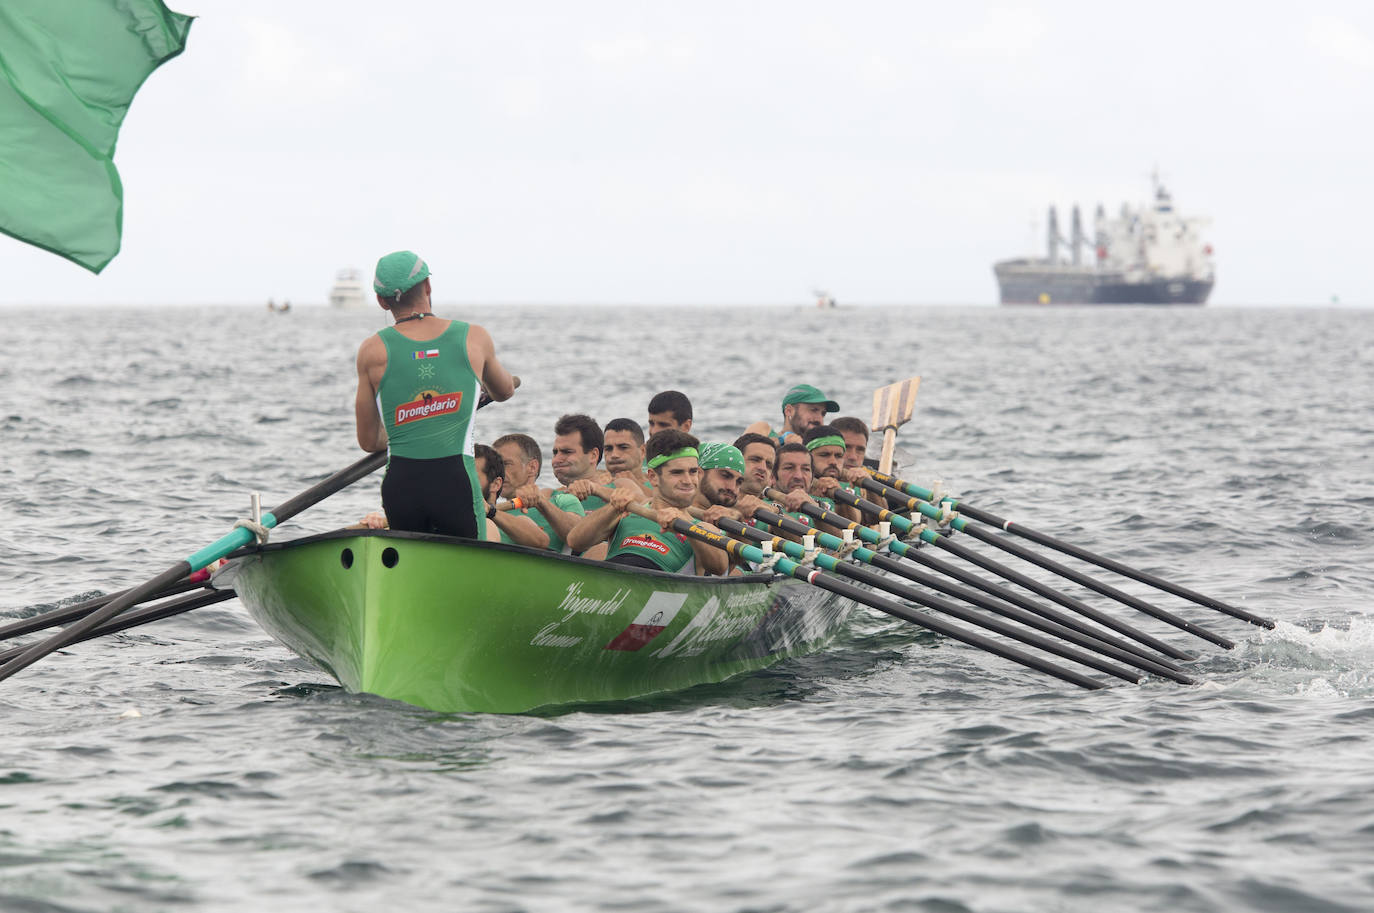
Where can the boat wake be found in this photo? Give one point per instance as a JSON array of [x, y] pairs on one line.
[[1333, 658]]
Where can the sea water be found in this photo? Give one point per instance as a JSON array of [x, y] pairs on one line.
[[195, 764]]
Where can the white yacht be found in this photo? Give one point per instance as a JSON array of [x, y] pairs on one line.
[[348, 290]]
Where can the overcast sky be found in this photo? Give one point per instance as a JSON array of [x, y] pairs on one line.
[[719, 153]]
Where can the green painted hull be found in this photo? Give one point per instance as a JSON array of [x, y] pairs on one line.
[[451, 624]]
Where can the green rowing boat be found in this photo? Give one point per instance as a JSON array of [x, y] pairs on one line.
[[456, 625]]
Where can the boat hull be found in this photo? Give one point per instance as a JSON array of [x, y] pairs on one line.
[[456, 625], [1027, 282]]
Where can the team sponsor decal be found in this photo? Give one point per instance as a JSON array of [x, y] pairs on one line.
[[426, 353], [654, 545], [657, 614], [574, 603], [428, 404]]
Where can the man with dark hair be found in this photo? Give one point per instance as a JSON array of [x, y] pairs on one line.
[[759, 453], [803, 407], [827, 449], [577, 445], [554, 512], [670, 411], [855, 434], [624, 443], [419, 382], [509, 526], [719, 494], [674, 472]]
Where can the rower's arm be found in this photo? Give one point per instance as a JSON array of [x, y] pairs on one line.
[[499, 383], [561, 520], [521, 529], [371, 431], [596, 527], [711, 560]]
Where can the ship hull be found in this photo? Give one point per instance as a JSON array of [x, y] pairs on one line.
[[1020, 283]]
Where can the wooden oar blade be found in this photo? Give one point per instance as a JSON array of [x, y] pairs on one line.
[[894, 404]]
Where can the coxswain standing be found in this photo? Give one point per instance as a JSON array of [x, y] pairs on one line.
[[418, 386]]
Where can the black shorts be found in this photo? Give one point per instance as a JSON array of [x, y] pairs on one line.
[[433, 496], [634, 561]]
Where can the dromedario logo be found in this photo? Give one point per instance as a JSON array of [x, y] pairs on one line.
[[429, 403]]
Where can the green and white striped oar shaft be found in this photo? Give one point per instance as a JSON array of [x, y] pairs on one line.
[[1123, 648], [818, 578], [1082, 554], [902, 524], [1041, 619], [836, 565], [959, 524], [918, 556], [236, 539]]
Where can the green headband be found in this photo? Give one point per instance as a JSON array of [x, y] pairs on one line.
[[675, 455], [721, 456], [830, 440]]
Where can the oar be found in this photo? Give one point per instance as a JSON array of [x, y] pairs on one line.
[[817, 578], [65, 614], [1065, 628], [959, 524], [837, 565], [143, 616], [238, 538], [904, 525], [1082, 554], [892, 408]]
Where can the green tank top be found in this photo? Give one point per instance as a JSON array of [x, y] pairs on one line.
[[635, 535], [428, 394], [561, 500]]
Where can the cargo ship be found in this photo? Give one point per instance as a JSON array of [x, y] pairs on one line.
[[1149, 255]]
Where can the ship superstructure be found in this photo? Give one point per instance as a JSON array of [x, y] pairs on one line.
[[1150, 255]]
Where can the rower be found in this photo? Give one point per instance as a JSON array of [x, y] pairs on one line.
[[577, 445], [674, 472], [624, 442], [503, 525], [803, 407], [760, 452], [555, 512], [670, 411], [855, 434], [827, 448], [418, 387], [794, 479]]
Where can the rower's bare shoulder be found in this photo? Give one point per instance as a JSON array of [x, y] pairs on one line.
[[372, 351], [758, 428]]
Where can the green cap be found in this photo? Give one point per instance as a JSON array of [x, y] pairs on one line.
[[721, 456], [398, 273], [805, 393]]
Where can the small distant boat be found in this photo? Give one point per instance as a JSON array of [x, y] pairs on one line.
[[823, 299], [278, 308], [348, 291]]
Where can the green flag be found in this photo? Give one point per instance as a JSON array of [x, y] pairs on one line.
[[68, 72]]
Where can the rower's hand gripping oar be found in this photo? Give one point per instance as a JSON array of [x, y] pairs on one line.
[[959, 524], [1125, 570], [1042, 618], [906, 526], [815, 577], [237, 538]]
